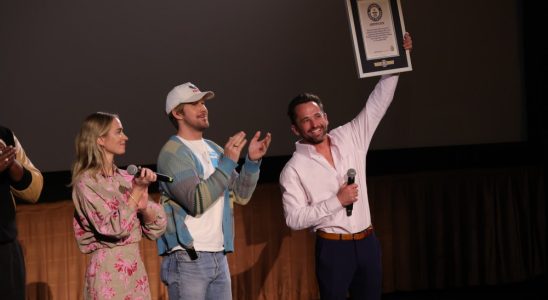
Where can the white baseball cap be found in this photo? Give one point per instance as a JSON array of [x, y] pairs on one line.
[[185, 93]]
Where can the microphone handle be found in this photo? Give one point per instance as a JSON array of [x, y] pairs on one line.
[[350, 206], [164, 178], [159, 176], [349, 209]]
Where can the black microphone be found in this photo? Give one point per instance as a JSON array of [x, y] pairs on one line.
[[136, 171], [351, 174]]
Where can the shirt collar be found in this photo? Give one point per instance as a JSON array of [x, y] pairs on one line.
[[308, 149]]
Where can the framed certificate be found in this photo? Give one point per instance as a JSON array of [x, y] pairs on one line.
[[377, 30]]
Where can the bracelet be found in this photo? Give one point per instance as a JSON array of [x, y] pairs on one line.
[[134, 201]]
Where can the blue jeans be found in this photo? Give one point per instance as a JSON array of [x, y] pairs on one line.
[[207, 277]]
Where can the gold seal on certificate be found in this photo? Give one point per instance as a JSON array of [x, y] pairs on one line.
[[377, 30]]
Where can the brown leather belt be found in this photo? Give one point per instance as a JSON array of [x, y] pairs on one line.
[[346, 237]]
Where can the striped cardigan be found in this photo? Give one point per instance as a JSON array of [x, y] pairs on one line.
[[191, 194]]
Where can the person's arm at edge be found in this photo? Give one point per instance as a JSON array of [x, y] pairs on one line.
[[30, 180]]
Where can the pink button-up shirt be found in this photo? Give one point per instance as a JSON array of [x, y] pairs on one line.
[[310, 184]]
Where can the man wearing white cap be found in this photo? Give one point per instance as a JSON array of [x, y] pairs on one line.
[[198, 202]]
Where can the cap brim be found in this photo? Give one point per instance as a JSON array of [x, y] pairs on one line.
[[202, 95]]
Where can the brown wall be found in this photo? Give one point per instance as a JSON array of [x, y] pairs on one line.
[[437, 229]]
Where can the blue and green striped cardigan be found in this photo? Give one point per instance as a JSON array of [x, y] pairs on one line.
[[191, 194]]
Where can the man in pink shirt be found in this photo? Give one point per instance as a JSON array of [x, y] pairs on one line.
[[316, 194]]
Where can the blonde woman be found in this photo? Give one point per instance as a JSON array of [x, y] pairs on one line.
[[113, 212]]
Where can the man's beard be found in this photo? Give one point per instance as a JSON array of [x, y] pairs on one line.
[[316, 140], [199, 125]]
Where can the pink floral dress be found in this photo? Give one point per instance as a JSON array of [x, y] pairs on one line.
[[106, 227]]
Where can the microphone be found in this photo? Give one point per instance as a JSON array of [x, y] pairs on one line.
[[351, 174], [136, 171]]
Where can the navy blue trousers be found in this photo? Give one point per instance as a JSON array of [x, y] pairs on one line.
[[349, 268]]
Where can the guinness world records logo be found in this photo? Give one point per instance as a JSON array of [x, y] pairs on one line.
[[374, 12]]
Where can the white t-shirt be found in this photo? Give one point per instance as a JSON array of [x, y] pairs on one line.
[[206, 229]]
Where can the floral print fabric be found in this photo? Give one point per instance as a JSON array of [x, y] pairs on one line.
[[108, 228]]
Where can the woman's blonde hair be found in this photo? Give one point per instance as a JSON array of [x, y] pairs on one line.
[[89, 155]]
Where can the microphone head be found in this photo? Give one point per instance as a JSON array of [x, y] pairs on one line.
[[351, 173], [132, 169]]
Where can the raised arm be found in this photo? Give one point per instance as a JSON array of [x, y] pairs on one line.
[[244, 184]]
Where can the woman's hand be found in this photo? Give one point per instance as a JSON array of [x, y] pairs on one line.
[[139, 192], [145, 178], [143, 201]]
